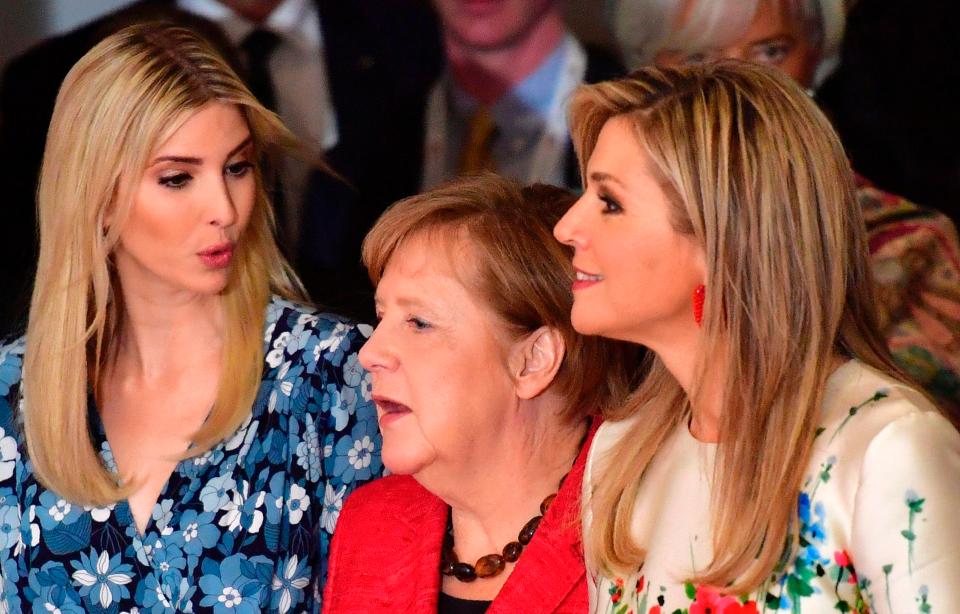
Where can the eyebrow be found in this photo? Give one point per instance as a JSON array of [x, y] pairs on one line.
[[198, 161], [402, 302], [784, 36], [600, 177]]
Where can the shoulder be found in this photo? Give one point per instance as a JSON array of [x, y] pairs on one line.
[[301, 332], [605, 438], [389, 494], [891, 218], [391, 508], [11, 363], [11, 374], [869, 416]]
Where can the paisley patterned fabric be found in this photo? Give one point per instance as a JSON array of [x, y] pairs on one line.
[[244, 527], [915, 257], [878, 523]]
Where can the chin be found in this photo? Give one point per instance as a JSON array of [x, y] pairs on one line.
[[211, 285], [585, 323], [404, 459]]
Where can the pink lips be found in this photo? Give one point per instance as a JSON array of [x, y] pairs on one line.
[[390, 411], [580, 284], [217, 256]]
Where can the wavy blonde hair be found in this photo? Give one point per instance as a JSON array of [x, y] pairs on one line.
[[123, 99], [758, 177]]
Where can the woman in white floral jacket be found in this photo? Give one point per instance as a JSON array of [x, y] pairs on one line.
[[773, 458]]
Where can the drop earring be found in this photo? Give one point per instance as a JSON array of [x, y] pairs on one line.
[[699, 294]]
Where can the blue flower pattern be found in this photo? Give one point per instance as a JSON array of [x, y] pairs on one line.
[[244, 527]]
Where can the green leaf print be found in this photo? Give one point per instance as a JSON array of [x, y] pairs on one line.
[[691, 590], [886, 580], [879, 394], [922, 606], [914, 508], [798, 587]]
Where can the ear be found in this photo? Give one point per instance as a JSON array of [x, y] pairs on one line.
[[535, 360]]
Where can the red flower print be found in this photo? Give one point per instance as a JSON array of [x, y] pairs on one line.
[[654, 610], [710, 601], [640, 584], [616, 591], [842, 558]]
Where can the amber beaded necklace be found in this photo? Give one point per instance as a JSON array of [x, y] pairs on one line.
[[491, 564]]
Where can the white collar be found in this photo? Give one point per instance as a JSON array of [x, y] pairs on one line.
[[295, 21]]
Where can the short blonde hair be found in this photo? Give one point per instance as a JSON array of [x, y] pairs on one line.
[[518, 270], [759, 179], [643, 28], [116, 106]]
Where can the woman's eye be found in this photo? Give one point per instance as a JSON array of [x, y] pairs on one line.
[[771, 53], [177, 181], [418, 323], [239, 169], [610, 205], [700, 57]]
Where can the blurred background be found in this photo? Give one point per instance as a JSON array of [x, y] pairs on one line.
[[26, 22]]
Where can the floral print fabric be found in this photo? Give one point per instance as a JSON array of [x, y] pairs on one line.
[[878, 524], [242, 528]]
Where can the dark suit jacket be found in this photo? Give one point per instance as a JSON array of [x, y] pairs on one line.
[[392, 168], [385, 555], [381, 58]]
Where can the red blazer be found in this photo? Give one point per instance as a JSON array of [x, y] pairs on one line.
[[385, 555]]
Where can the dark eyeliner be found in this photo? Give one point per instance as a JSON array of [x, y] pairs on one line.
[[175, 182], [611, 206]]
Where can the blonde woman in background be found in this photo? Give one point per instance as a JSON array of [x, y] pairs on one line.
[[914, 250], [772, 459], [177, 430]]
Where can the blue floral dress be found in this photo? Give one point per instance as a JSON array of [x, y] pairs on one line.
[[242, 528]]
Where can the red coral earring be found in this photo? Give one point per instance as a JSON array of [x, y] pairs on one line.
[[699, 293]]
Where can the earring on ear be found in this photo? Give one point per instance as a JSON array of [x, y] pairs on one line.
[[699, 294]]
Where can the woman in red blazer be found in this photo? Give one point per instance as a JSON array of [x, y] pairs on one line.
[[485, 396]]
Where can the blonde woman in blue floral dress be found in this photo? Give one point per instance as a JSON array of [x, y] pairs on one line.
[[177, 430], [773, 458]]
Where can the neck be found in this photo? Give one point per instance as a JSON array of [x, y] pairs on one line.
[[254, 11], [679, 351], [486, 74], [492, 498], [165, 333]]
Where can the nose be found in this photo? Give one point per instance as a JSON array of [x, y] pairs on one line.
[[733, 53], [376, 355], [223, 210], [569, 229]]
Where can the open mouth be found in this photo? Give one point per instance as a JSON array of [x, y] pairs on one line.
[[390, 411], [585, 280]]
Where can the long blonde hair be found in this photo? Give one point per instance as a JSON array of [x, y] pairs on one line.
[[119, 102], [759, 178]]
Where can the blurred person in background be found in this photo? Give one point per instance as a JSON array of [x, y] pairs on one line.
[[500, 104], [915, 253]]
